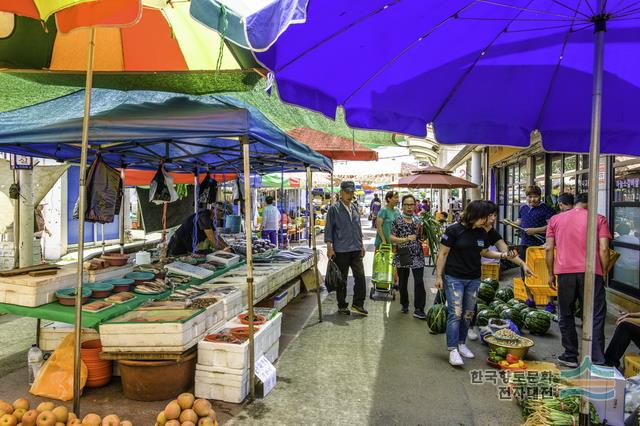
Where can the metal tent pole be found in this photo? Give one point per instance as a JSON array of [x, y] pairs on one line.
[[312, 238], [594, 163], [244, 140], [122, 212], [82, 200], [309, 207]]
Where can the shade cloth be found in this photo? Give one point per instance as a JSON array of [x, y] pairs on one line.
[[334, 147]]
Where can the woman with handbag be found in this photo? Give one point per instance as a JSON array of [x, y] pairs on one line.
[[406, 233], [458, 271]]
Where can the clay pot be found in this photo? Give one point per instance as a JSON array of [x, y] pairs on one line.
[[99, 370], [157, 380], [116, 259]]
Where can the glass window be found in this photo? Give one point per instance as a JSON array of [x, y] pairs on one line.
[[511, 174], [540, 183], [556, 164], [569, 184], [524, 174], [627, 179], [583, 183], [570, 163], [539, 166], [583, 162], [626, 232]]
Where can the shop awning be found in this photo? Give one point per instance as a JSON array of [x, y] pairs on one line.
[[275, 180], [140, 130], [334, 147], [144, 177]]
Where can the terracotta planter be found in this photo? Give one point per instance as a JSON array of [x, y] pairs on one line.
[[157, 380], [99, 371], [116, 259]]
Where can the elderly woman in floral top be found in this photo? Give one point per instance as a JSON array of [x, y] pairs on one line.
[[406, 233]]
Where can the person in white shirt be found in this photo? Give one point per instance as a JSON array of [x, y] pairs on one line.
[[270, 221]]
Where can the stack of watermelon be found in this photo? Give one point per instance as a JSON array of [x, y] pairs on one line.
[[495, 302]]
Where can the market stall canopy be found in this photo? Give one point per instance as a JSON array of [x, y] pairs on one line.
[[144, 177], [276, 180], [433, 177], [141, 130], [334, 147]]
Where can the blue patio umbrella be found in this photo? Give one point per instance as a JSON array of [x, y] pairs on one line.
[[488, 72]]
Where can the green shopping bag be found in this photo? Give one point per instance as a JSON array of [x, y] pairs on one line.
[[383, 270]]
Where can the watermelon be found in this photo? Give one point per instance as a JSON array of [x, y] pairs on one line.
[[486, 293], [504, 294], [481, 306], [493, 305], [494, 283], [512, 302], [538, 322], [520, 306], [525, 311], [437, 318], [484, 316], [514, 316], [501, 307]]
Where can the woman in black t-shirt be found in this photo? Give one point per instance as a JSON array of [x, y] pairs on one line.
[[458, 271]]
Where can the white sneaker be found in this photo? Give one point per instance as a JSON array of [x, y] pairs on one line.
[[472, 335], [454, 358], [465, 352]]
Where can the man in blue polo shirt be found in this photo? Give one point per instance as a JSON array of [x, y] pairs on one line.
[[534, 217]]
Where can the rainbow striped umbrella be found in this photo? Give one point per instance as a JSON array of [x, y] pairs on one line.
[[163, 38]]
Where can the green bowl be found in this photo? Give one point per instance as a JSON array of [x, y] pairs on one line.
[[141, 276], [67, 296]]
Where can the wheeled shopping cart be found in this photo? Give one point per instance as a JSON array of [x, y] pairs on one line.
[[383, 277]]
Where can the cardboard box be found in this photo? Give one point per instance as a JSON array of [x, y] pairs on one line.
[[631, 365]]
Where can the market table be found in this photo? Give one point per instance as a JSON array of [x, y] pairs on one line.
[[56, 312]]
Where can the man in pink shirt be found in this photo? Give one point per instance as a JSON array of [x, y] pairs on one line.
[[567, 234]]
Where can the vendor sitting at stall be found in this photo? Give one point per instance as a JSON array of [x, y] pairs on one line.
[[182, 240]]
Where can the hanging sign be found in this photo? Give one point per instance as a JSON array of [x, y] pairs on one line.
[[21, 162]]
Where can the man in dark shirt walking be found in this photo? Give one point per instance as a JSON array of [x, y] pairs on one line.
[[534, 217], [343, 235]]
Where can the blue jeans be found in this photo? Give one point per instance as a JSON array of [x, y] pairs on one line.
[[461, 300]]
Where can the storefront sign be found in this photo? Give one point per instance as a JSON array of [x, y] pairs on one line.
[[499, 153]]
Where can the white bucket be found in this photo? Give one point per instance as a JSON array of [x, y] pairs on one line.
[[143, 258]]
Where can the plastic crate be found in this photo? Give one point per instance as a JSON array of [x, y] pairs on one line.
[[490, 271], [540, 293]]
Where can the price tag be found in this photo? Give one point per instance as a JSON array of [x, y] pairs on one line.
[[266, 372]]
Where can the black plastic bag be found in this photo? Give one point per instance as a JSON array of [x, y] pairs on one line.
[[333, 279], [104, 193], [162, 189], [208, 192]]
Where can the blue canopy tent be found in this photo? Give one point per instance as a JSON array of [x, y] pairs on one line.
[[142, 130]]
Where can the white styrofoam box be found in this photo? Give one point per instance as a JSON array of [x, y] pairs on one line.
[[108, 273], [296, 289], [280, 300], [226, 384], [236, 356], [228, 388], [231, 298], [215, 315], [120, 336], [25, 290], [53, 333]]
